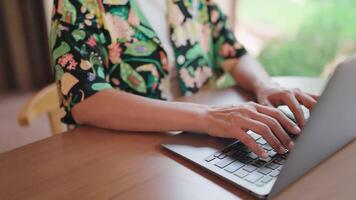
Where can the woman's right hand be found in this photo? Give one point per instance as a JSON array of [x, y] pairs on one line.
[[235, 121]]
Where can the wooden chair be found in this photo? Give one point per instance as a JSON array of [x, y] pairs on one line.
[[46, 101]]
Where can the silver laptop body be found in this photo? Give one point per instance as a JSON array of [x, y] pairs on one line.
[[330, 127]]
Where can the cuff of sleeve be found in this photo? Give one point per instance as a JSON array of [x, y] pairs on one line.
[[80, 93]]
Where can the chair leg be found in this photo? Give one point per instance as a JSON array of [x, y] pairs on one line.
[[55, 122]]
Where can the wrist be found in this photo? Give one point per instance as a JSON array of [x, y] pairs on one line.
[[200, 118], [261, 86]]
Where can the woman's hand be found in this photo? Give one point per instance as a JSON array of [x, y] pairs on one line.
[[274, 95], [235, 121]]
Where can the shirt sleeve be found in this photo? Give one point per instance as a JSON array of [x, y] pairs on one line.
[[79, 56], [226, 48]]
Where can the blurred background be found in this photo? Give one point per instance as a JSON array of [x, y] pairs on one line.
[[298, 37], [289, 37]]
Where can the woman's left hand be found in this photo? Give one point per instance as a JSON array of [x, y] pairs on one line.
[[275, 95]]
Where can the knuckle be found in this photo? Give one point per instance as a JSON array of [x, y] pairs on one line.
[[265, 104], [252, 104], [248, 109], [276, 112], [287, 92], [274, 123], [281, 117], [290, 91], [280, 114], [285, 95], [297, 90], [231, 115], [251, 112], [232, 119], [264, 129]]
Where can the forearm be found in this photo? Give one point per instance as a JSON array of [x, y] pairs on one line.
[[249, 74], [127, 112]]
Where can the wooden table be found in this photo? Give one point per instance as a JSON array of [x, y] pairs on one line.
[[91, 163]]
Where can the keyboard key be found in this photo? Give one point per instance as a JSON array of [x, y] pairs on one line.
[[260, 183], [279, 158], [272, 153], [230, 148], [266, 179], [249, 168], [217, 154], [272, 165], [226, 161], [234, 166], [222, 156], [241, 173], [245, 149], [254, 135], [267, 147], [252, 155], [281, 162], [253, 177], [266, 159], [239, 144], [258, 163], [244, 159], [274, 173], [227, 151], [238, 155], [264, 170], [210, 158], [226, 154], [261, 141], [280, 167], [231, 152]]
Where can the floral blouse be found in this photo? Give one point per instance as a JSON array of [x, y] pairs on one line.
[[101, 44]]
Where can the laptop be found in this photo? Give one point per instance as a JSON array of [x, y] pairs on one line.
[[330, 127]]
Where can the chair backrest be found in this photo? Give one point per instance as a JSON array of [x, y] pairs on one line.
[[46, 101]]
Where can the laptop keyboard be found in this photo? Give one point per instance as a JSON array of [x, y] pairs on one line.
[[240, 161]]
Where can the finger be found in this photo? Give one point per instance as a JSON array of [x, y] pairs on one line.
[[277, 129], [296, 109], [263, 130], [267, 103], [247, 140], [305, 99], [314, 96], [287, 123]]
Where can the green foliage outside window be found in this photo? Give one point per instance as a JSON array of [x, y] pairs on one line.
[[315, 32]]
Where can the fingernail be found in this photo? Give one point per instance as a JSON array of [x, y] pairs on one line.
[[282, 150], [296, 129], [264, 154], [291, 145]]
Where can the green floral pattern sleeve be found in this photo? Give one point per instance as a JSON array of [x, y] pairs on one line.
[[102, 44], [226, 49], [79, 53]]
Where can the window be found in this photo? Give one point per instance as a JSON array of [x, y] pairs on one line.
[[298, 37]]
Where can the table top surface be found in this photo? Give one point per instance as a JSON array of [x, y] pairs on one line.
[[91, 163]]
